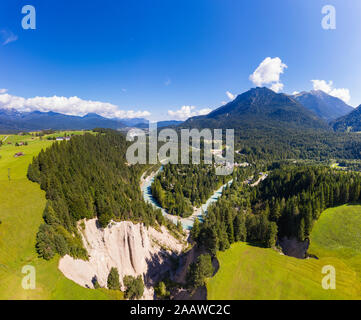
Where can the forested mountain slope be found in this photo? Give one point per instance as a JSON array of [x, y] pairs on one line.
[[274, 126], [350, 123], [262, 108]]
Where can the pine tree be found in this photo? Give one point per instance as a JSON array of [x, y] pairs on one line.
[[301, 230], [196, 229], [275, 212], [113, 279]]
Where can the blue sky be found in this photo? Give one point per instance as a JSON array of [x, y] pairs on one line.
[[157, 56]]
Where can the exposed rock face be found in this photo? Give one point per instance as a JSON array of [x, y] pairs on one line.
[[131, 248]]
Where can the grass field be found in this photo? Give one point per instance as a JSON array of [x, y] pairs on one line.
[[338, 234], [248, 272], [21, 207]]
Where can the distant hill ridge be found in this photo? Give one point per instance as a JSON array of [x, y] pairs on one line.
[[13, 120], [323, 105], [350, 122]]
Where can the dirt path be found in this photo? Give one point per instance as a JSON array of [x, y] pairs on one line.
[[264, 176]]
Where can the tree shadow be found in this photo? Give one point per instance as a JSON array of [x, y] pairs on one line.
[[160, 266]]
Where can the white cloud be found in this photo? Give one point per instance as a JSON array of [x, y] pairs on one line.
[[341, 93], [183, 113], [3, 91], [230, 95], [277, 86], [204, 111], [295, 92], [186, 112], [322, 85], [70, 106], [168, 82], [268, 73], [7, 37]]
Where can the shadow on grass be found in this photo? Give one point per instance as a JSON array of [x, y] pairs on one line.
[[256, 244]]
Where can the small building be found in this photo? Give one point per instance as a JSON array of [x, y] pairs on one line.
[[62, 138], [18, 154]]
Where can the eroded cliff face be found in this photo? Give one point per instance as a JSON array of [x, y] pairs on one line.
[[132, 248]]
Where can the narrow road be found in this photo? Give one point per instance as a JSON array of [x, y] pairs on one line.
[[264, 176]]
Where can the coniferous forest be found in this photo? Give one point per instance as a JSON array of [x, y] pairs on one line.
[[86, 177], [180, 187], [287, 203]]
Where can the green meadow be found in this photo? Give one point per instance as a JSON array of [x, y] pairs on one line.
[[21, 207], [249, 272], [337, 234]]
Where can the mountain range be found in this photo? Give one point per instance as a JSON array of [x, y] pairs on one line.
[[259, 108], [13, 120], [323, 105], [255, 109]]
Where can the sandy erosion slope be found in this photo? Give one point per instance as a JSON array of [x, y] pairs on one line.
[[132, 248]]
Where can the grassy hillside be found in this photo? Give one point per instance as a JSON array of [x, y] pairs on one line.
[[338, 234], [248, 272], [21, 207]]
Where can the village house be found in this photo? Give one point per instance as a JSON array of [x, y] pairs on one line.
[[18, 154], [62, 138]]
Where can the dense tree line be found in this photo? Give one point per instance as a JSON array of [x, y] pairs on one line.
[[86, 177], [180, 187], [285, 204], [354, 165], [231, 220], [295, 196], [273, 144], [199, 271]]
